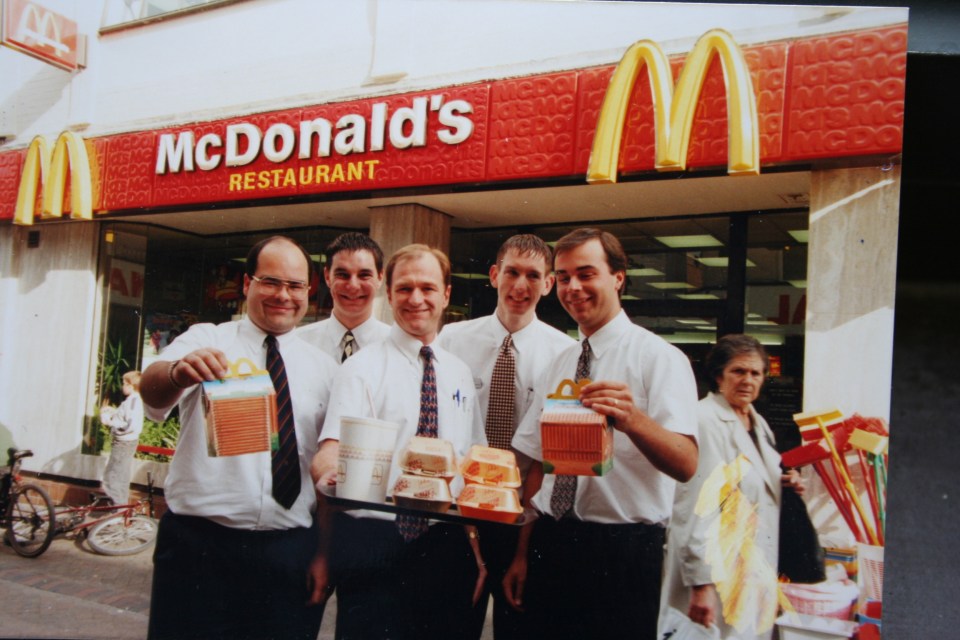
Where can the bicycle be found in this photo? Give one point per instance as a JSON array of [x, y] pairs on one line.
[[27, 510], [126, 529]]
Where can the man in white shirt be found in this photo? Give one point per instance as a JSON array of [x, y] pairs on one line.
[[590, 566], [353, 273], [515, 340], [391, 584], [233, 550]]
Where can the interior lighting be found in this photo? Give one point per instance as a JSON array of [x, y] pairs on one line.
[[689, 242]]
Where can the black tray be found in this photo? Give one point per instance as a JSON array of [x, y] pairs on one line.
[[452, 515]]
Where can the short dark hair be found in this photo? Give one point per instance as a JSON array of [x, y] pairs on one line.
[[727, 348], [412, 251], [354, 241], [527, 244], [616, 256], [254, 254]]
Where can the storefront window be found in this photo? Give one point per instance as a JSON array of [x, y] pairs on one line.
[[690, 280]]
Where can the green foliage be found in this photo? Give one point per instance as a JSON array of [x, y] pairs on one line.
[[113, 364], [159, 434]]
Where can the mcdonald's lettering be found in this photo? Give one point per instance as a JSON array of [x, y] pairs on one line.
[[674, 108], [47, 170]]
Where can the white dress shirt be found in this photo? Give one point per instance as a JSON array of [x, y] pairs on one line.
[[236, 491], [477, 342], [327, 335], [390, 374], [663, 386]]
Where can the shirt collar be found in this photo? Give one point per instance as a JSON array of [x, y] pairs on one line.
[[256, 335], [521, 338], [608, 336], [408, 345]]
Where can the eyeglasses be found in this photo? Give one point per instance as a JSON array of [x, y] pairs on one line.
[[273, 285]]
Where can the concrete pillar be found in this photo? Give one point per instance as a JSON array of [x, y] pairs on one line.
[[851, 281], [396, 226]]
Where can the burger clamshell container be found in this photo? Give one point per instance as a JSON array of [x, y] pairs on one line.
[[423, 493], [490, 466], [430, 457], [497, 504], [576, 441]]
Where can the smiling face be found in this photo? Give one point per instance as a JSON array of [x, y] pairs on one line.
[[741, 380], [586, 287], [353, 281], [418, 296], [277, 312], [520, 279]]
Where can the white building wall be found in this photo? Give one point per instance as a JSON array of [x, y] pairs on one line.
[[270, 54]]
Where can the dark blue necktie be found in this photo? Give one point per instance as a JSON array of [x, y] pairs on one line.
[[286, 460]]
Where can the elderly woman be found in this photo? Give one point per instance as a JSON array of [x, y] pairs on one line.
[[721, 565]]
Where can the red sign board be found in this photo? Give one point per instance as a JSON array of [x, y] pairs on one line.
[[35, 30]]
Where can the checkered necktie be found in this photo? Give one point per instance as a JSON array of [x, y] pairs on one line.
[[349, 345], [286, 460], [412, 527], [501, 409], [565, 487]]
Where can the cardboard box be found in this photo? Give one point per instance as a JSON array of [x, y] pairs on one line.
[[575, 440]]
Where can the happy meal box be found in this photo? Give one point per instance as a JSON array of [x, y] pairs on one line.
[[577, 441], [241, 411]]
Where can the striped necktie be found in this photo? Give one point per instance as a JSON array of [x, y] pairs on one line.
[[565, 487], [349, 345], [286, 460]]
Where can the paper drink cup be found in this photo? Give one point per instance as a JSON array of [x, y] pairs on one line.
[[363, 465]]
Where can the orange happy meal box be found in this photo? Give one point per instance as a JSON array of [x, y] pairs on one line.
[[241, 411], [577, 441]]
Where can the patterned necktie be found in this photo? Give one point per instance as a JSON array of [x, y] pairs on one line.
[[286, 460], [349, 345], [412, 527], [502, 406], [565, 487]]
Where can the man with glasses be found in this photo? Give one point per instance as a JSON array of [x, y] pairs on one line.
[[234, 548], [353, 272]]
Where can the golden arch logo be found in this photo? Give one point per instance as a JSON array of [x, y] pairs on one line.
[[674, 108], [49, 171], [40, 26]]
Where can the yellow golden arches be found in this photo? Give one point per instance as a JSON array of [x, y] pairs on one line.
[[41, 167], [674, 109]]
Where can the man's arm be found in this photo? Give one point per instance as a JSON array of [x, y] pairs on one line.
[[323, 470], [515, 578], [675, 454], [163, 382]]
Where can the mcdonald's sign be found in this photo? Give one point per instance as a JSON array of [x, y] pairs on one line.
[[47, 170], [674, 108], [35, 30]]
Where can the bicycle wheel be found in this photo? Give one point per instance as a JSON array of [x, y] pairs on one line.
[[122, 536], [30, 521]]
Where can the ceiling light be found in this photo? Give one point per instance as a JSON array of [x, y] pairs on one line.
[[470, 276], [671, 285], [800, 235], [692, 321], [799, 284], [644, 272], [688, 242], [720, 262], [697, 296]]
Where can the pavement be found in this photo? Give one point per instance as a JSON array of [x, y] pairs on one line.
[[71, 592]]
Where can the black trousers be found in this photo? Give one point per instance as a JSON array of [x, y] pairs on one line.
[[498, 544], [589, 580], [211, 581], [388, 588]]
